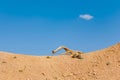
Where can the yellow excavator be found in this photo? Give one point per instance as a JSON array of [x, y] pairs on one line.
[[74, 54]]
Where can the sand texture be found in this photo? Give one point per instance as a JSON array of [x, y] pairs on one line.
[[99, 65]]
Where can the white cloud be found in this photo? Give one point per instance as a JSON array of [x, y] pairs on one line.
[[86, 16]]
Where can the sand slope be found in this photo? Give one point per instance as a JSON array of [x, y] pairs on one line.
[[99, 65]]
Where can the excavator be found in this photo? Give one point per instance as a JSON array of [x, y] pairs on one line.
[[74, 54]]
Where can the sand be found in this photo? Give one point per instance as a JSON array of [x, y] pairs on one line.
[[98, 65]]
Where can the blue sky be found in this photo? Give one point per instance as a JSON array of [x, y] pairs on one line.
[[36, 27]]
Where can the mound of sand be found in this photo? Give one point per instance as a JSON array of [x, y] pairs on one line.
[[99, 65]]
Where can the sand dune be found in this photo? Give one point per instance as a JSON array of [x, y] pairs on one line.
[[99, 65]]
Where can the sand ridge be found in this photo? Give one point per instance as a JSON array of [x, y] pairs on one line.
[[99, 65]]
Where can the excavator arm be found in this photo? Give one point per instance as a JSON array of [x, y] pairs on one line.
[[61, 47]]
